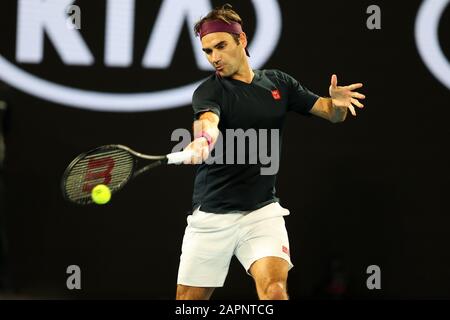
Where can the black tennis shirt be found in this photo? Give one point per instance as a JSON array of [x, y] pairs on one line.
[[261, 104]]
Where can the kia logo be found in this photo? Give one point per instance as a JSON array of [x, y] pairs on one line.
[[48, 17], [427, 39]]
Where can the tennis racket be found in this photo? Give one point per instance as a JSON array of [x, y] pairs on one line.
[[112, 165]]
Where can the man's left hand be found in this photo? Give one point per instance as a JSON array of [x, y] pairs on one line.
[[345, 96]]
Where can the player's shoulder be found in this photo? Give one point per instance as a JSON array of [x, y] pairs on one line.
[[275, 73], [278, 76], [210, 84]]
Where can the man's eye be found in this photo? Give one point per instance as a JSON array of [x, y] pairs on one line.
[[221, 46]]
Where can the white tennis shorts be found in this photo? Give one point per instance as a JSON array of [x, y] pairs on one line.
[[210, 241]]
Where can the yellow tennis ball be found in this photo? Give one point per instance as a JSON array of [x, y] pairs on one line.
[[101, 194]]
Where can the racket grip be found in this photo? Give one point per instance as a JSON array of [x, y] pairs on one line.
[[179, 157]]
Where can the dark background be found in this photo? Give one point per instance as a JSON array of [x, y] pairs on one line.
[[369, 191]]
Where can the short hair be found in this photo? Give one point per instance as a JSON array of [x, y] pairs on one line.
[[224, 13]]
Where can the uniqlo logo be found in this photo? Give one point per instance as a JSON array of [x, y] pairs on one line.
[[276, 94], [285, 250]]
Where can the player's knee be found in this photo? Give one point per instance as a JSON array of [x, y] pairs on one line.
[[183, 293], [184, 296], [275, 290], [193, 293]]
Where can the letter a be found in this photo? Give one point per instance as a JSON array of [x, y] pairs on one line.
[[74, 280], [374, 281], [374, 21]]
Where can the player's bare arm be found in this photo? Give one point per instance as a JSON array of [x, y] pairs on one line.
[[343, 98], [206, 132]]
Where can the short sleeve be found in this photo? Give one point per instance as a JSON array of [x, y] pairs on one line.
[[206, 98], [300, 99]]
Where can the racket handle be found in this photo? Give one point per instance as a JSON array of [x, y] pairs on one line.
[[179, 157]]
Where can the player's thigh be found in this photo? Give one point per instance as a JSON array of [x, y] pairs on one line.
[[208, 246], [269, 270], [265, 238]]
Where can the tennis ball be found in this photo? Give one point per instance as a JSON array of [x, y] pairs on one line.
[[101, 194]]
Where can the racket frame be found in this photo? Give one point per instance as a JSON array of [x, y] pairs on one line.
[[159, 160]]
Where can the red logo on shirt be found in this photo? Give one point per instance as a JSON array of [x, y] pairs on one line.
[[276, 94], [285, 250]]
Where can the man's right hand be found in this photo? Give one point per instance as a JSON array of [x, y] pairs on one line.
[[201, 151], [207, 124]]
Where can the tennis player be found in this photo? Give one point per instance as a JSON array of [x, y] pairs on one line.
[[235, 207]]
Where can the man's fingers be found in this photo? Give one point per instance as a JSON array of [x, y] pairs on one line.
[[197, 159], [358, 95], [188, 160], [205, 153], [354, 86], [352, 109], [192, 160], [200, 151], [334, 81], [357, 103], [198, 128]]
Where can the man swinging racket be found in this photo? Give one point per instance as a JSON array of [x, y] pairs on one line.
[[235, 208]]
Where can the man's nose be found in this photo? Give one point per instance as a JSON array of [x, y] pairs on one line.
[[216, 57]]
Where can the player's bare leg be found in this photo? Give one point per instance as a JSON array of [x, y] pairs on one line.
[[193, 293], [270, 275]]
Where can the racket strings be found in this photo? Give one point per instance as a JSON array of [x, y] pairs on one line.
[[112, 167]]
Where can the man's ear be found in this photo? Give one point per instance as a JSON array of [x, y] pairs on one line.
[[243, 39]]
